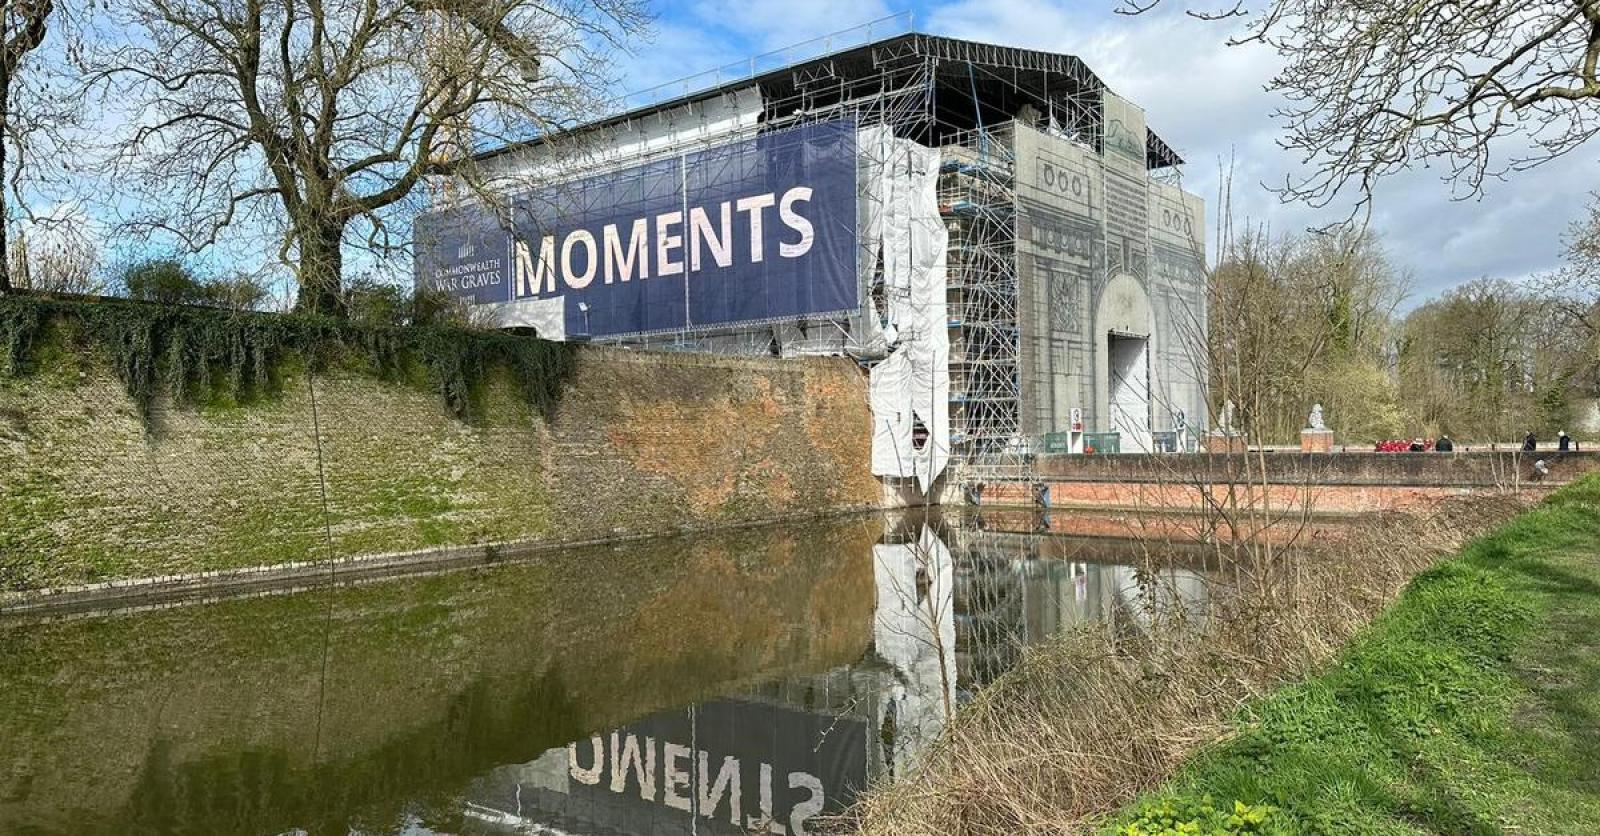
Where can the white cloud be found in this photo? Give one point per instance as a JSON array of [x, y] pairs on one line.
[[1207, 100]]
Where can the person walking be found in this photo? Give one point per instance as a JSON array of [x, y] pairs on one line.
[[1444, 445], [1529, 443], [1563, 442]]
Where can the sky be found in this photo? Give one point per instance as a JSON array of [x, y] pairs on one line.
[[1205, 98]]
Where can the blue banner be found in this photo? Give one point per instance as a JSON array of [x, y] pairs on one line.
[[753, 230]]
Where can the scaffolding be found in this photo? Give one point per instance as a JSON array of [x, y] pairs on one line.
[[958, 96], [977, 199], [991, 601]]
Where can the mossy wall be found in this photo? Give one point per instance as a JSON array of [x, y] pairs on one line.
[[95, 485]]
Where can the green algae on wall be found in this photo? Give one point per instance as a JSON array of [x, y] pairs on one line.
[[88, 495], [95, 486]]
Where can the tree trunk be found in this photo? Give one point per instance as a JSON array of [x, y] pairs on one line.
[[5, 209], [319, 272]]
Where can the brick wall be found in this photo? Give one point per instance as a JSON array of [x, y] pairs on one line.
[[1336, 483], [1463, 469], [639, 443]]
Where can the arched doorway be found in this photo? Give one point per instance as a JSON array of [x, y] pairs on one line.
[[1123, 324]]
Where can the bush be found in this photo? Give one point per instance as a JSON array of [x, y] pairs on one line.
[[1181, 817], [164, 280], [169, 281], [367, 302], [373, 303], [238, 293]]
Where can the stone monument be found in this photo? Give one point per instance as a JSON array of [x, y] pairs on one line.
[[1224, 438], [1316, 437]]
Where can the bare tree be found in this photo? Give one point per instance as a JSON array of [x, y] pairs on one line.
[[1299, 319], [23, 26], [1491, 359], [57, 257], [1374, 87], [1576, 286], [322, 115]]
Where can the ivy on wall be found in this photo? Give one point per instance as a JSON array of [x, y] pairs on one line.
[[197, 353]]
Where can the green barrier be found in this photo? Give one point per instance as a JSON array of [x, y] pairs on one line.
[[1102, 442]]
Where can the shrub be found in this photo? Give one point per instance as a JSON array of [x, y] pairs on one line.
[[164, 280], [168, 281], [372, 303], [1183, 817]]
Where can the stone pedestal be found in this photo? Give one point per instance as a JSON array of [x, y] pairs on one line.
[[1316, 441], [1224, 443]]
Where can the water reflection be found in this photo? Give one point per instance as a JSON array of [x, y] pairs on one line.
[[750, 680]]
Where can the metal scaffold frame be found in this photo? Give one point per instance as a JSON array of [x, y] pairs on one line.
[[990, 600], [957, 96], [977, 199]]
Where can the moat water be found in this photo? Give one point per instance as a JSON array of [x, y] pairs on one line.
[[749, 680]]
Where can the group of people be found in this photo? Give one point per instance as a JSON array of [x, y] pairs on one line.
[[1417, 445], [1564, 442], [1530, 442], [1541, 468]]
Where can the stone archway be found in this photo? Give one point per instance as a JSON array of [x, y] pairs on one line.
[[1123, 324]]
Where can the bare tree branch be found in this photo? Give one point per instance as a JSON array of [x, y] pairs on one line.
[[1377, 87], [330, 114], [23, 26]]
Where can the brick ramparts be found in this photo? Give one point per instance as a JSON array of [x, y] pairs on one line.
[[639, 443], [1324, 483], [1158, 528]]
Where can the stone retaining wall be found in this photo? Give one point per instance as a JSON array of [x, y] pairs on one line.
[[1461, 469], [1338, 483], [639, 443]]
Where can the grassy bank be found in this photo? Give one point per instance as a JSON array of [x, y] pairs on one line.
[[1471, 706], [1463, 708]]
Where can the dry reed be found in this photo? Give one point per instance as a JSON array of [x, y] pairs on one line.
[[1086, 723]]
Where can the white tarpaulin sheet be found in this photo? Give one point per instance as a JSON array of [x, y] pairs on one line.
[[546, 316], [914, 630], [903, 243], [667, 131]]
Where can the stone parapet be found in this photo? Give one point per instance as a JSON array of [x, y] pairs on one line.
[[1477, 469]]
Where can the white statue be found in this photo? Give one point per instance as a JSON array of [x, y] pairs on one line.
[[1315, 421], [1225, 421]]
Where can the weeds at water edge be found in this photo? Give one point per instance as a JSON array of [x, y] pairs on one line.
[[1086, 723]]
